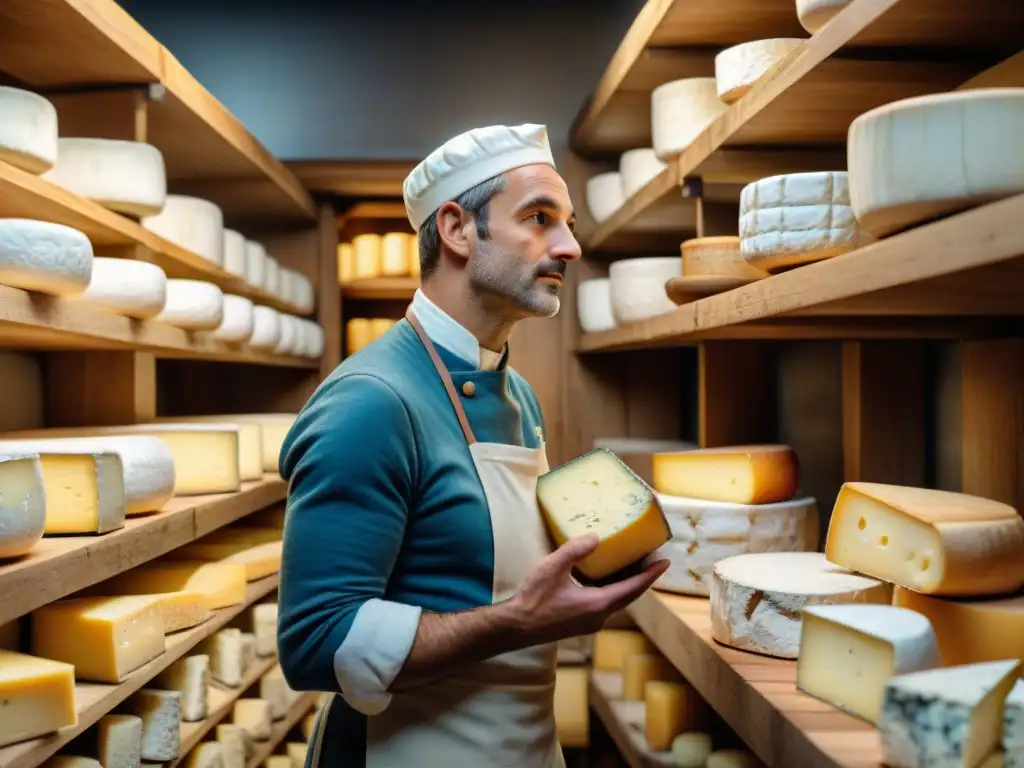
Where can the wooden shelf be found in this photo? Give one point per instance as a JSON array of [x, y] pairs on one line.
[[756, 695], [296, 712], [381, 288], [94, 700], [61, 565], [954, 278], [54, 45], [624, 721]]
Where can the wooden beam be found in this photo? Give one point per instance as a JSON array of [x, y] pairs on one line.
[[736, 398]]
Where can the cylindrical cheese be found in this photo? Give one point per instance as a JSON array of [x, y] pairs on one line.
[[720, 256], [255, 263], [604, 195], [814, 14], [637, 167], [28, 130], [641, 668], [126, 287], [346, 263], [739, 68], [572, 706], [271, 275], [266, 328], [680, 111], [194, 224], [613, 646], [237, 323], [594, 305], [691, 750], [637, 287], [379, 326], [394, 254], [291, 336], [367, 256], [22, 505], [44, 257], [670, 708], [234, 252], [195, 305], [358, 334]]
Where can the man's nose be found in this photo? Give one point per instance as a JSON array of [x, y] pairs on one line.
[[565, 247]]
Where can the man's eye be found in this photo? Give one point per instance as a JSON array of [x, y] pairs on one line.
[[540, 218]]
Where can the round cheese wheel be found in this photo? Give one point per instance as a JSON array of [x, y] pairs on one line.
[[272, 276], [814, 14], [739, 68], [358, 334], [291, 336], [367, 249], [195, 305], [394, 259], [237, 323], [304, 298], [680, 111], [194, 224], [637, 287], [314, 339], [714, 256], [28, 130], [604, 195], [255, 263], [594, 305], [637, 167], [931, 156], [234, 252], [266, 328], [44, 257], [126, 287], [22, 502], [286, 285]]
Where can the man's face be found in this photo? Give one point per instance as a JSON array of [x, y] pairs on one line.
[[531, 241]]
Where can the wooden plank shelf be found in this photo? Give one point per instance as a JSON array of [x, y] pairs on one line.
[[56, 45], [381, 288], [94, 700], [953, 278], [624, 721], [755, 695], [298, 710], [59, 566]]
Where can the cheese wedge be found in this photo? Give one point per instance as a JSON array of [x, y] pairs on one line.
[[250, 442], [259, 561], [84, 492], [190, 677], [226, 658], [598, 493], [105, 638], [935, 542], [670, 709], [274, 690], [640, 669], [22, 504], [254, 716], [274, 429], [946, 716], [849, 652], [234, 741], [297, 753], [222, 584], [119, 741], [264, 620], [745, 474], [161, 723], [612, 647], [207, 754], [37, 696]]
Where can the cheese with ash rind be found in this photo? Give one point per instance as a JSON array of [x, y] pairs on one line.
[[234, 252], [594, 305], [598, 494], [119, 741], [921, 158], [604, 195], [161, 723], [194, 224], [947, 716], [124, 176], [741, 474], [814, 14], [38, 696], [126, 287], [1013, 726], [849, 652], [680, 111], [236, 325], [28, 130], [195, 305], [741, 67], [930, 541], [189, 676], [637, 287], [22, 504], [44, 257], [756, 600], [266, 329], [637, 167]]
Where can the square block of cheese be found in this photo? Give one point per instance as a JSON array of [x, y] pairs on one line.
[[254, 716], [37, 696], [190, 677], [935, 542], [597, 493], [743, 474], [671, 708]]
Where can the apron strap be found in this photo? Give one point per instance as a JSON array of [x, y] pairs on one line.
[[442, 371]]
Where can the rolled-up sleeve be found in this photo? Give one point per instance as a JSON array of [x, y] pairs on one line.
[[350, 461]]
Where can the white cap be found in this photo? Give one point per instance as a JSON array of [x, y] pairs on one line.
[[469, 159]]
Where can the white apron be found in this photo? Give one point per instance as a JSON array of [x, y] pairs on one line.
[[498, 712]]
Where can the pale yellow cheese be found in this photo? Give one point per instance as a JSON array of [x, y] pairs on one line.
[[161, 723], [572, 706], [394, 254], [223, 584], [183, 609], [250, 442], [248, 651], [598, 493], [37, 697], [274, 691], [254, 716], [278, 761], [236, 745], [612, 647], [935, 542], [309, 724], [297, 753], [669, 709], [119, 741], [358, 334], [640, 669], [346, 263], [105, 638], [225, 651], [207, 754], [22, 504], [264, 621], [84, 492], [274, 428], [367, 248], [744, 474], [259, 561]]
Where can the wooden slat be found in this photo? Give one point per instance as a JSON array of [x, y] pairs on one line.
[[381, 288], [61, 565], [296, 712]]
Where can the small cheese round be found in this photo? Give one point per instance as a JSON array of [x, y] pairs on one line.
[[394, 258], [291, 336], [315, 347], [126, 287], [638, 287], [304, 298], [714, 256], [195, 305], [594, 305], [741, 67], [266, 328], [234, 252], [237, 324], [22, 503], [604, 195], [814, 14], [194, 224], [680, 111], [367, 248], [44, 257], [637, 167], [272, 276], [288, 285], [691, 750], [28, 130], [255, 263]]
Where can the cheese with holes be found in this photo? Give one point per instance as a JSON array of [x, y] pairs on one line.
[[22, 503], [225, 651], [594, 305], [248, 651], [691, 750], [849, 652], [44, 257], [935, 542], [604, 195], [680, 111], [255, 263], [971, 630], [233, 739], [741, 67], [637, 287], [274, 691], [233, 259], [297, 753], [126, 287], [194, 305], [207, 754], [84, 492], [367, 249], [921, 158], [266, 329], [119, 741], [946, 716], [798, 218], [640, 669], [250, 441], [733, 758], [254, 716], [147, 462], [195, 225], [106, 638], [636, 168], [37, 696], [598, 494], [271, 275], [394, 254], [22, 406], [815, 14], [705, 532], [161, 723], [572, 707], [756, 600], [124, 176], [744, 474], [28, 130], [222, 584], [264, 619], [236, 323], [190, 677], [670, 708], [612, 647]]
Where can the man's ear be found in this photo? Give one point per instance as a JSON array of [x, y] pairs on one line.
[[456, 228]]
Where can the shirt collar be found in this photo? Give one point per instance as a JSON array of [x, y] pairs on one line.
[[446, 332]]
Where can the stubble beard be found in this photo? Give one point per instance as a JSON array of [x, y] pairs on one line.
[[513, 279]]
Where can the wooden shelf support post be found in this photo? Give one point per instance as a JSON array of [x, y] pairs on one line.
[[736, 397]]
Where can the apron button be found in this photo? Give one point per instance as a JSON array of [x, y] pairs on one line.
[[469, 389]]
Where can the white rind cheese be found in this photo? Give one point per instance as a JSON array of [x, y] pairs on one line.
[[28, 130], [126, 287], [195, 305], [272, 276], [237, 323], [289, 285], [195, 225], [741, 67], [264, 620], [22, 504], [918, 159], [266, 329], [604, 195], [291, 336], [305, 298], [705, 532], [756, 600], [274, 691], [314, 339], [594, 305], [161, 723], [234, 252], [191, 678], [44, 257], [814, 14], [680, 111], [225, 652], [255, 263], [637, 167], [236, 745], [637, 287], [124, 176]]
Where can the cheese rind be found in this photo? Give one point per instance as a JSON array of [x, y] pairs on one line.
[[234, 252], [756, 600], [236, 324], [741, 67], [744, 474], [22, 503], [612, 647], [161, 723], [604, 195], [194, 224], [264, 619], [255, 263], [814, 14], [28, 130], [274, 428], [271, 275], [119, 741], [274, 690], [1013, 725], [190, 677], [195, 305], [720, 256], [85, 492], [250, 441], [849, 652], [254, 716], [225, 652], [236, 745], [594, 305], [637, 167], [38, 696], [946, 716], [44, 257], [266, 329], [207, 754], [935, 542], [637, 287], [680, 111], [598, 494], [126, 287]]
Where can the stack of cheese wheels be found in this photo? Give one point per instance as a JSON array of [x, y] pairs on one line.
[[604, 195], [798, 218], [637, 287], [722, 502], [741, 67], [28, 130], [636, 168], [594, 305], [680, 111]]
